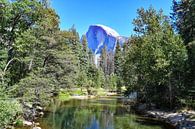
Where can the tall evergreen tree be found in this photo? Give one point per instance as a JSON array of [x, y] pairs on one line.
[[118, 62], [91, 57], [74, 42], [84, 54], [183, 17], [103, 60], [110, 62], [118, 59], [84, 44]]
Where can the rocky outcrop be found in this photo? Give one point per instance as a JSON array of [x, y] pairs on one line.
[[31, 113], [181, 120]]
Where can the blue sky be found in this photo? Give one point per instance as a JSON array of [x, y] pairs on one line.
[[117, 14]]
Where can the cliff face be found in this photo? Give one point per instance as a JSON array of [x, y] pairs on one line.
[[99, 36]]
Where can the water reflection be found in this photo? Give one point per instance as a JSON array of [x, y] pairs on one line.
[[104, 113]]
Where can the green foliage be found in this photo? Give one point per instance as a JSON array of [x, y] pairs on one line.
[[111, 82], [19, 16], [38, 60], [155, 64], [33, 88], [19, 123], [183, 18], [84, 57], [62, 67], [192, 61], [118, 63], [82, 79], [3, 92], [8, 111], [118, 59], [64, 96], [95, 77], [103, 62], [3, 57], [99, 92]]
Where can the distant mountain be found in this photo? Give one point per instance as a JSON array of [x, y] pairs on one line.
[[99, 36]]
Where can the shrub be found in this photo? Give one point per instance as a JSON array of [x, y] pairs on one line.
[[8, 111]]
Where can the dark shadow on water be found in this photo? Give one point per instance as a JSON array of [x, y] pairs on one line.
[[152, 122]]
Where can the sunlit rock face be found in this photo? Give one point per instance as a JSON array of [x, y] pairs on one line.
[[99, 36]]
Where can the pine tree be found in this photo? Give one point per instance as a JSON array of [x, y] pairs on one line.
[[103, 60], [118, 61], [84, 44], [183, 17], [91, 57], [125, 48], [110, 62], [84, 54], [74, 41]]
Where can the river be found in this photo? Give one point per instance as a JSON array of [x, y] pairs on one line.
[[100, 113]]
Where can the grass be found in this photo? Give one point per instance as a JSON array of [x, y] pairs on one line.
[[19, 123], [64, 96], [100, 92], [78, 91]]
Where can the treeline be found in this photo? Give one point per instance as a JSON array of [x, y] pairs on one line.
[[155, 64], [159, 60], [38, 60]]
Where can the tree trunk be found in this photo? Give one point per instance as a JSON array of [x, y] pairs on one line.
[[30, 64]]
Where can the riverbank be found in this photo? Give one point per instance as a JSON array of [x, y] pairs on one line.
[[184, 119], [101, 112], [78, 93], [34, 111], [181, 119]]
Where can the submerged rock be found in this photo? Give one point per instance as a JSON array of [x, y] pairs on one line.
[[36, 127]]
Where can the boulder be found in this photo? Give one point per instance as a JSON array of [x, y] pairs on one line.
[[39, 109], [37, 124], [41, 114], [27, 123], [27, 105], [36, 127]]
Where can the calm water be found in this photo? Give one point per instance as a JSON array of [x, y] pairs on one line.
[[102, 113]]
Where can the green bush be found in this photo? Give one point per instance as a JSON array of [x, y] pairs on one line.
[[8, 111]]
